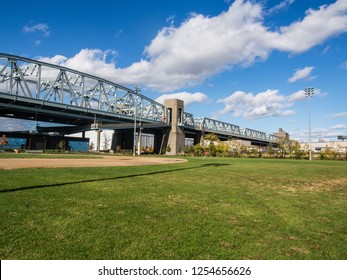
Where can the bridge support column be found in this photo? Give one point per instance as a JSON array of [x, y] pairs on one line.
[[176, 139], [139, 142], [197, 137], [160, 141], [98, 142], [116, 140]]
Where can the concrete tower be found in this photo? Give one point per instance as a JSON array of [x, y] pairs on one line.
[[175, 109]]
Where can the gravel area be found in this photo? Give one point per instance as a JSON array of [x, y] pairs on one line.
[[12, 163]]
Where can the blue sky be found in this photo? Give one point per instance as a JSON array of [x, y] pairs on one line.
[[242, 62]]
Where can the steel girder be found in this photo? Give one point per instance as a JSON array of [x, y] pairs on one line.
[[43, 81], [215, 126]]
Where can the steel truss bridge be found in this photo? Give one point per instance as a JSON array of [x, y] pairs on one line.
[[40, 91], [208, 125]]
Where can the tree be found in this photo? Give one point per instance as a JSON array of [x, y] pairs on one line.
[[254, 152], [270, 151], [244, 151], [283, 145], [212, 149], [3, 141], [61, 145], [107, 141], [222, 149], [235, 147], [91, 146], [198, 150], [305, 151], [295, 149], [211, 137]]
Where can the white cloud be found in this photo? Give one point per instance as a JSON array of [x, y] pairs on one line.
[[263, 104], [92, 61], [339, 115], [119, 33], [187, 97], [282, 5], [344, 65], [339, 127], [316, 26], [57, 59], [297, 96], [42, 28], [202, 46], [171, 19], [327, 133], [302, 74], [300, 95], [326, 50]]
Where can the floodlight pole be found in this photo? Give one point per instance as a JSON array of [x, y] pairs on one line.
[[309, 93]]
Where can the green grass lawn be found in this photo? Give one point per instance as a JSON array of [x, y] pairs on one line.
[[212, 208]]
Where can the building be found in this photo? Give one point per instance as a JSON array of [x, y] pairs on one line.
[[328, 149], [336, 146], [281, 133]]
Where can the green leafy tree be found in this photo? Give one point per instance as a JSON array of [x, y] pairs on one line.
[[270, 151], [222, 149], [199, 150], [235, 148], [211, 137], [244, 151], [212, 149], [283, 146], [254, 152], [296, 150]]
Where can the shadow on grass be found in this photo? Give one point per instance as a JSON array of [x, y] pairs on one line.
[[113, 178]]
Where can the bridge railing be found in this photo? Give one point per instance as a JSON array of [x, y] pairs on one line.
[[52, 83]]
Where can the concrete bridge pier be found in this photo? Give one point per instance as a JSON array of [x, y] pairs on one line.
[[160, 140], [176, 139], [166, 139], [139, 142], [98, 142]]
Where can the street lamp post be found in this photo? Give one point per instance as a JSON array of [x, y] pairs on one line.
[[137, 91], [134, 146], [309, 93]]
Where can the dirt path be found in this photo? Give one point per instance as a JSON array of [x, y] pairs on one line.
[[12, 163]]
